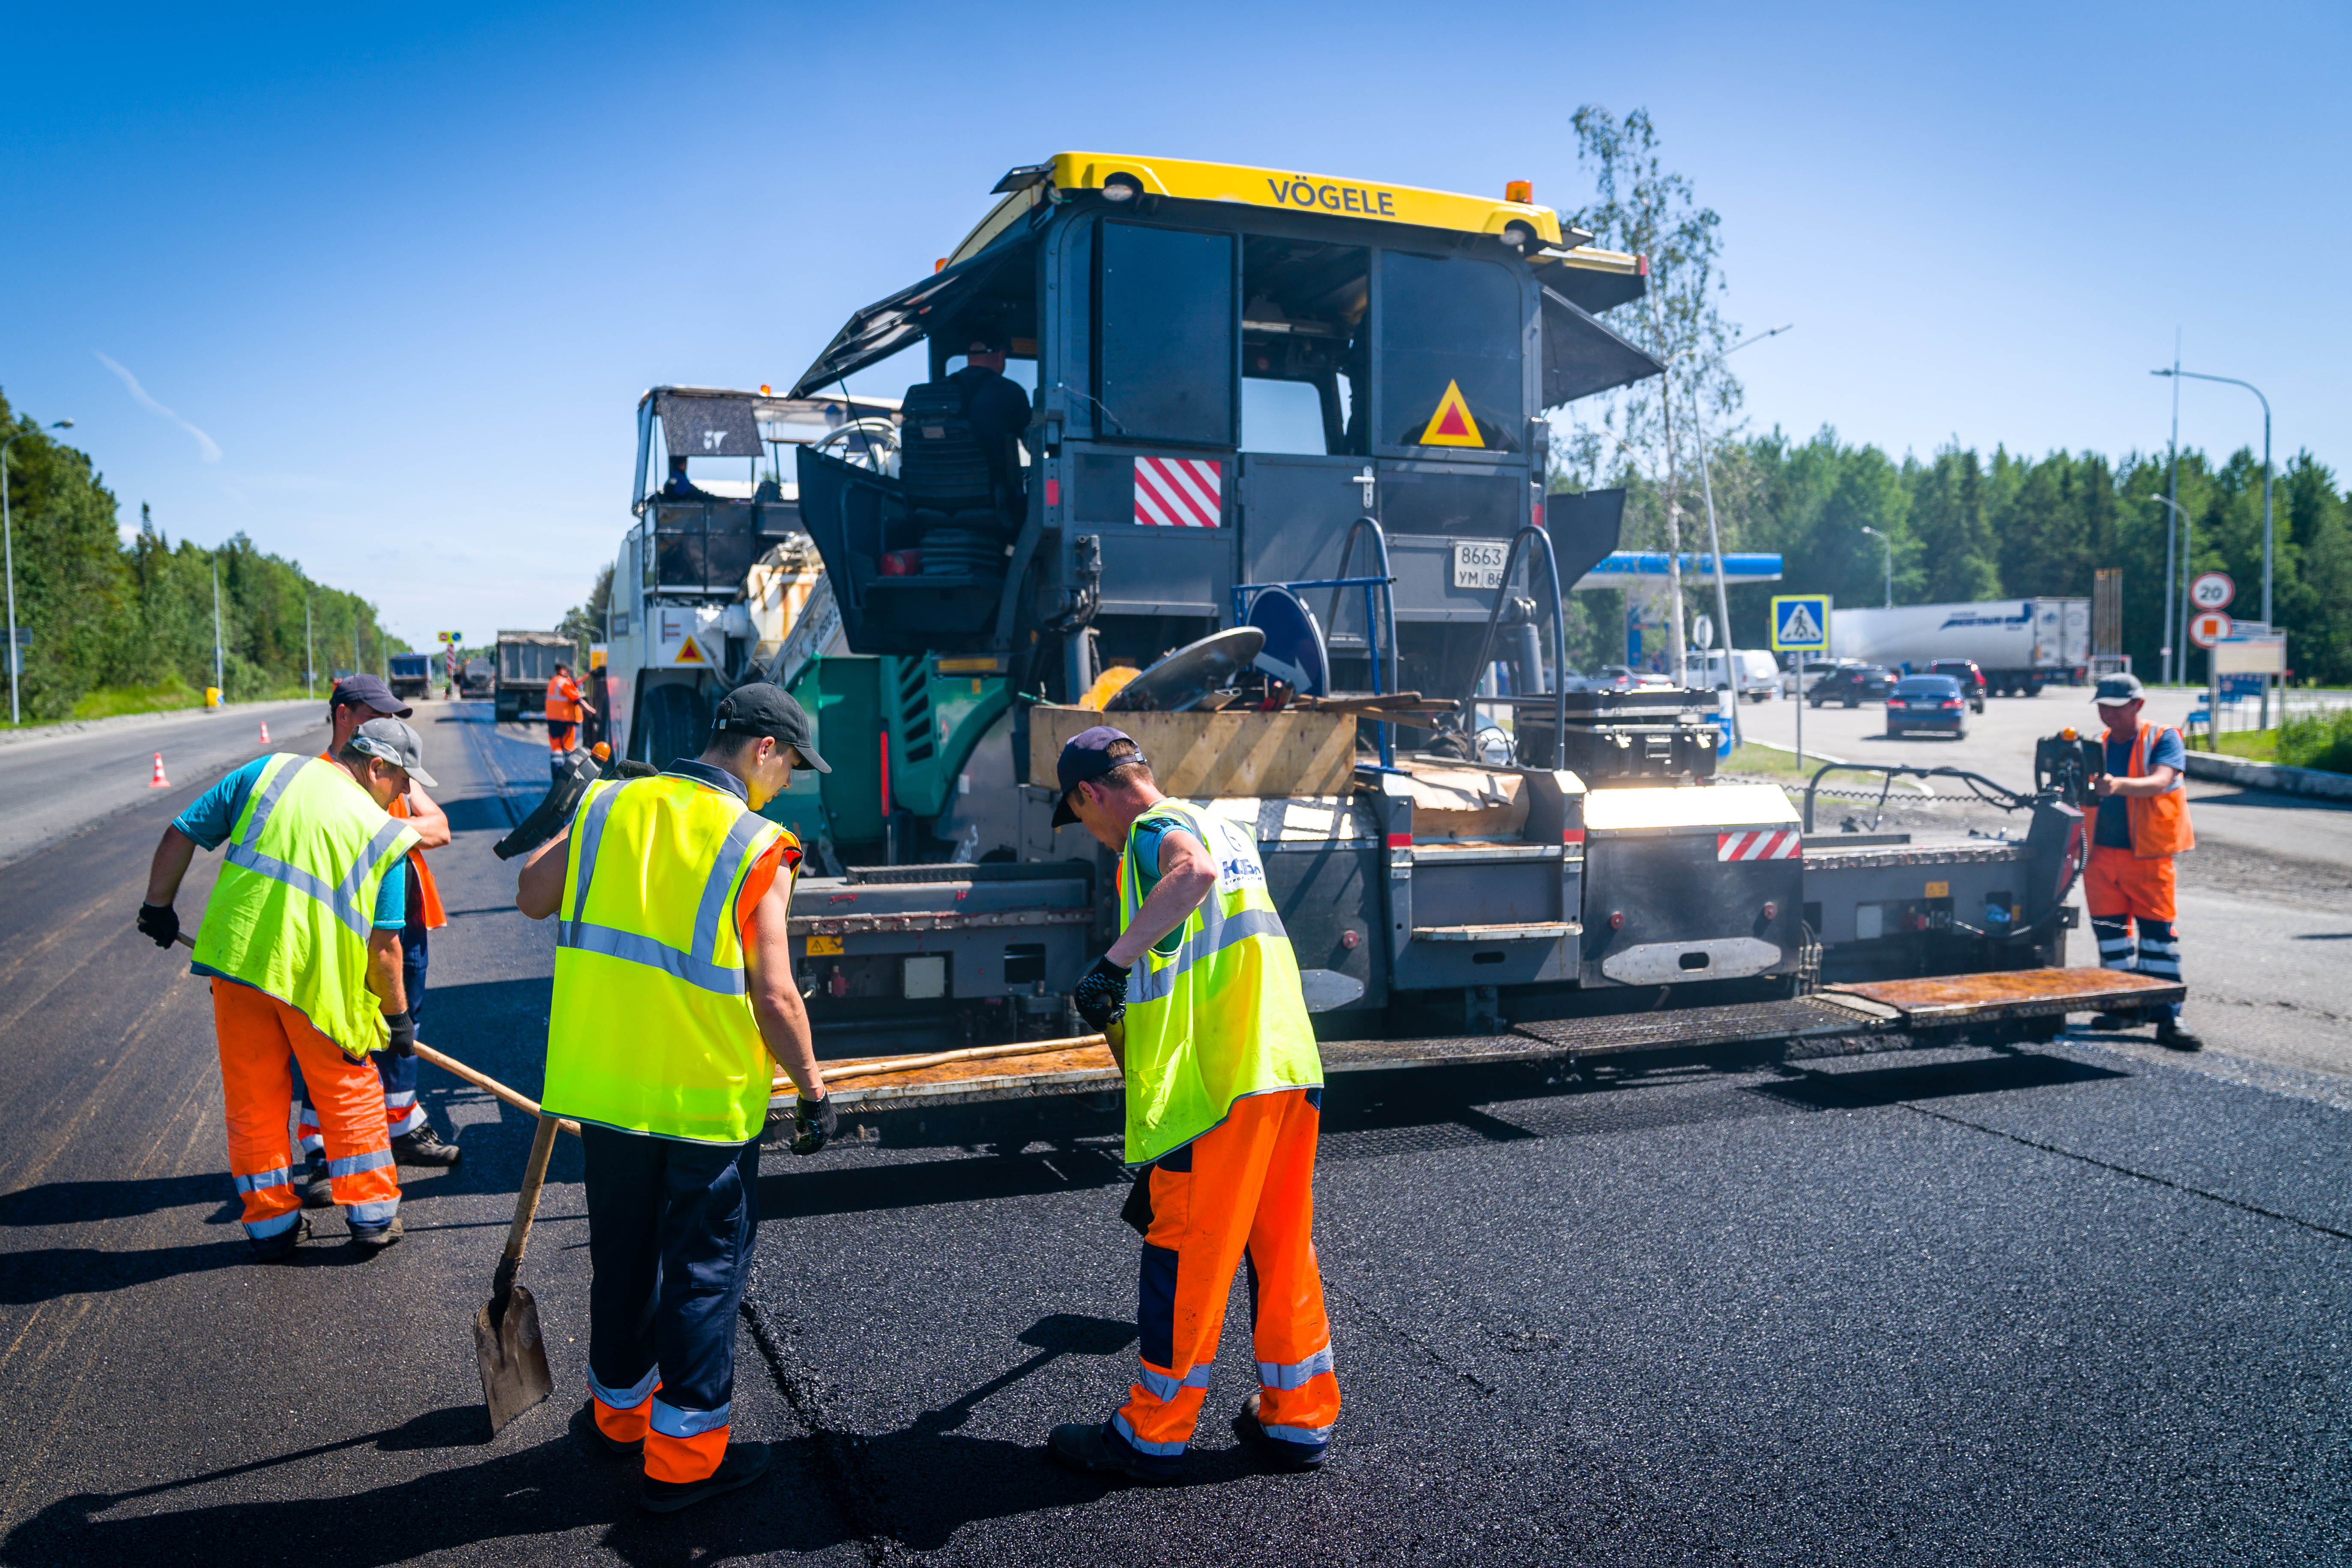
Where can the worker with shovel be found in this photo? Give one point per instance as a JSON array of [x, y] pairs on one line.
[[1224, 1098], [672, 990], [301, 939]]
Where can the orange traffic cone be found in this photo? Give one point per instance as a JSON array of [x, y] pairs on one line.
[[158, 781], [264, 731]]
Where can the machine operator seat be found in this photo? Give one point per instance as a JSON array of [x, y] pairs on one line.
[[959, 470]]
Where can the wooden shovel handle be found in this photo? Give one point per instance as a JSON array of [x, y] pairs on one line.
[[534, 1176]]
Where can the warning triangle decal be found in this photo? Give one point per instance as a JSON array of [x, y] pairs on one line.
[[690, 652], [1451, 425]]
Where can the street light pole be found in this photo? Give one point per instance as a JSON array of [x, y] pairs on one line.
[[1715, 533], [2179, 517], [2171, 523], [309, 658], [8, 547], [2177, 373], [1890, 561]]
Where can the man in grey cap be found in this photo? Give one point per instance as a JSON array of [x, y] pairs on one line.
[[2143, 823], [357, 701]]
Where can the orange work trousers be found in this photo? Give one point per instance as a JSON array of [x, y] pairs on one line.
[[260, 1038], [1242, 1192], [2117, 883]]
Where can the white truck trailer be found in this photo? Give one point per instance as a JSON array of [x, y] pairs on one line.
[[2022, 645]]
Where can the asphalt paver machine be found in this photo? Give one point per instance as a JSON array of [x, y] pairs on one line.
[[1253, 385]]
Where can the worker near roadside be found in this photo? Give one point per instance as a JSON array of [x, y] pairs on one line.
[[355, 701], [1223, 1098], [564, 706], [301, 941], [2143, 823], [674, 1002]]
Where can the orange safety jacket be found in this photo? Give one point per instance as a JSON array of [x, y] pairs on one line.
[[2159, 822], [435, 916], [564, 700]]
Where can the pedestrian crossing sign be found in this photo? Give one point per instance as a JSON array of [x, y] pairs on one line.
[[1801, 623]]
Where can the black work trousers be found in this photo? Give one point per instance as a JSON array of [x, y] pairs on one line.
[[671, 1225]]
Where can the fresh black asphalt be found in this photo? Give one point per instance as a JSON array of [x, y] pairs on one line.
[[2061, 1306]]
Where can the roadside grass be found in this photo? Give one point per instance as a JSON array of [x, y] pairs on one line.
[[2322, 740], [167, 696]]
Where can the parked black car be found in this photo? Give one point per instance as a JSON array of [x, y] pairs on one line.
[[1965, 671], [1930, 702], [1852, 685]]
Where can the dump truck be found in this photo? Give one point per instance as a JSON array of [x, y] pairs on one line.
[[412, 674], [526, 662], [1570, 885]]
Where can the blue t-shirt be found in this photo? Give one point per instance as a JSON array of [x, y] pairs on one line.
[[2114, 828], [213, 816], [1145, 843]]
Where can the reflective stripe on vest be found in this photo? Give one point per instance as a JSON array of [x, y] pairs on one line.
[[1221, 1017], [294, 909], [652, 1028]]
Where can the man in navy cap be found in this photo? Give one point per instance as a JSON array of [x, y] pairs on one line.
[[1201, 1000]]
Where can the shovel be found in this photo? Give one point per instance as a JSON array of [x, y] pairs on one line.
[[508, 1348]]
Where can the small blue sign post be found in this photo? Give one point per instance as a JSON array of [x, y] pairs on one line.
[[1800, 625]]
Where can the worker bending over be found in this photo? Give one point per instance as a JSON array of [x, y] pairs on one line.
[[1223, 1097], [301, 939], [564, 705], [672, 990], [2143, 823], [414, 1139]]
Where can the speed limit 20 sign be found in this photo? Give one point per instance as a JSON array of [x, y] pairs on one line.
[[2212, 591]]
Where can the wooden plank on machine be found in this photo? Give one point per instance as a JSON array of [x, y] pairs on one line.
[[1207, 755], [1948, 999]]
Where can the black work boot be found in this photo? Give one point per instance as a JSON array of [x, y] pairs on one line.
[[744, 1463], [1089, 1445], [279, 1248], [378, 1238], [1281, 1451], [2170, 1034], [312, 1184], [606, 1440], [2116, 1023], [424, 1147]]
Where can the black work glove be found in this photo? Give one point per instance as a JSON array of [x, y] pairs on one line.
[[403, 1032], [1101, 994], [160, 922], [814, 1121]]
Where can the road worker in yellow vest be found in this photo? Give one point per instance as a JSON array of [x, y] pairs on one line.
[[1200, 996], [674, 1003], [301, 941]]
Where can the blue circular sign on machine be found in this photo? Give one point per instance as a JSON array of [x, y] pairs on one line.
[[1294, 652]]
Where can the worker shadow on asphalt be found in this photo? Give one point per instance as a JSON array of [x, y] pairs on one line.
[[561, 1485], [50, 1273], [84, 1203], [862, 1187]]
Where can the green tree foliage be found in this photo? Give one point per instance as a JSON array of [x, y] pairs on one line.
[[107, 614]]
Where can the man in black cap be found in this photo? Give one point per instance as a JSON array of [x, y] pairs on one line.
[[674, 1004]]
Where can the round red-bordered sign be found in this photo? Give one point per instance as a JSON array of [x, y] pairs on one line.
[[2208, 628], [2212, 591]]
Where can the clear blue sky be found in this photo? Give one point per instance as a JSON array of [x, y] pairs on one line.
[[400, 277]]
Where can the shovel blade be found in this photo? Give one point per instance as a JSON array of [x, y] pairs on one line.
[[513, 1359]]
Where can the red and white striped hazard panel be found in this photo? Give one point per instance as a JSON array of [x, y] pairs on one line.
[[1179, 492], [1760, 844]]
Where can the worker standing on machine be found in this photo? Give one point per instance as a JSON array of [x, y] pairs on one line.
[[301, 941], [2143, 823], [674, 989], [564, 704], [1223, 1098], [355, 701]]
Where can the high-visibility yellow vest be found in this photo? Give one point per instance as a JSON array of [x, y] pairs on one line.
[[294, 904], [652, 1030], [1221, 1016]]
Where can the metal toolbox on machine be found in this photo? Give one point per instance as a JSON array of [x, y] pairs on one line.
[[1691, 884]]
